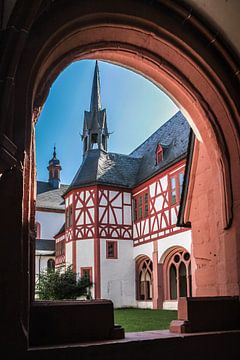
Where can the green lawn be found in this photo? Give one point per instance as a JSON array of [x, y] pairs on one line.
[[144, 319]]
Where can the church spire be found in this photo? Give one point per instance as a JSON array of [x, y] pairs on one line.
[[54, 169], [95, 131], [96, 97]]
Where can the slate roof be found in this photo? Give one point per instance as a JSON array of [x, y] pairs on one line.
[[50, 198], [173, 136], [100, 167], [46, 245]]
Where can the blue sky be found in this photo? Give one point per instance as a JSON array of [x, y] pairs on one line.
[[135, 109]]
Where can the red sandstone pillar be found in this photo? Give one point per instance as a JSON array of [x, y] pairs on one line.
[[157, 281]]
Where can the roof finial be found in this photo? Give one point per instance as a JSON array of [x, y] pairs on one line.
[[54, 151], [96, 98]]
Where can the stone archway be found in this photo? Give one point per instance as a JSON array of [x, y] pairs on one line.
[[162, 41]]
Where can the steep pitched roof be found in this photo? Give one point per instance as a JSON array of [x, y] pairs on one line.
[[100, 167], [45, 244], [50, 198], [173, 136]]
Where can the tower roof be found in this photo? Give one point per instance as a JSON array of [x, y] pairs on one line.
[[96, 96], [95, 131], [54, 169], [54, 160]]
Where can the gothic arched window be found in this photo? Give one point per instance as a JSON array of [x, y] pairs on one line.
[[144, 270], [178, 277]]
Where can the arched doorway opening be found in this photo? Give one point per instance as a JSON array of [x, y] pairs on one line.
[[190, 65]]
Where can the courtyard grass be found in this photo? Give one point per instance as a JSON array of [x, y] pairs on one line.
[[132, 319]]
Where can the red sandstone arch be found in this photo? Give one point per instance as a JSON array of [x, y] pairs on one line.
[[163, 41]]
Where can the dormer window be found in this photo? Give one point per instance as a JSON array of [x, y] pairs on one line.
[[159, 154]]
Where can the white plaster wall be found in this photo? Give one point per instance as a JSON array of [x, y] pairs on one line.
[[118, 275], [144, 249], [85, 254], [183, 239], [50, 222], [85, 257], [68, 254]]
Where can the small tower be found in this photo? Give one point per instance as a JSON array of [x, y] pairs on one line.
[[54, 169], [95, 131]]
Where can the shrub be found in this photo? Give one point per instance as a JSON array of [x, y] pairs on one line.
[[57, 285]]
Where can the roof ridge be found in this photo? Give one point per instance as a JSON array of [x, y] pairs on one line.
[[127, 155]]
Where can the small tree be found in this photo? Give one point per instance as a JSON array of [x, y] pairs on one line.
[[56, 285]]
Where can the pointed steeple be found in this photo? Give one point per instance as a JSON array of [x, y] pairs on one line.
[[95, 131], [96, 96], [54, 169]]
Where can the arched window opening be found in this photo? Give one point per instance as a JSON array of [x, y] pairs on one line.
[[173, 282], [178, 274], [144, 279], [182, 280], [50, 264], [190, 279], [94, 138]]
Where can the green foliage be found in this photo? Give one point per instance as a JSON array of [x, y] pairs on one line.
[[56, 285]]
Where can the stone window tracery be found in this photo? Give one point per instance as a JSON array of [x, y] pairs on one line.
[[179, 277], [144, 269]]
